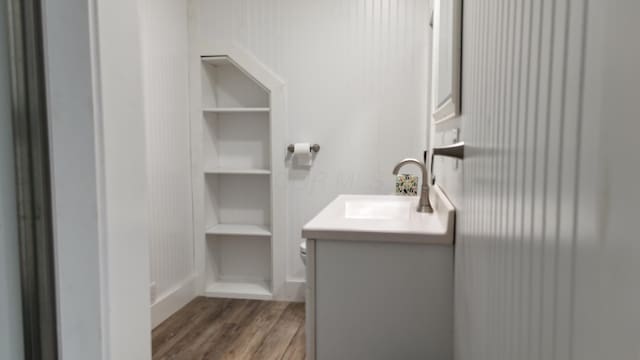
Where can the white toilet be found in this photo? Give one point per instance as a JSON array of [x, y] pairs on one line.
[[303, 252]]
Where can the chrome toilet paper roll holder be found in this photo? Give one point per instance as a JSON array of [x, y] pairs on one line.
[[314, 148]]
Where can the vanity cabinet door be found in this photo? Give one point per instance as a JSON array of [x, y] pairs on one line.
[[383, 300]]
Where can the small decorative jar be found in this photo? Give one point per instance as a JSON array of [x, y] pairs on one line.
[[407, 184]]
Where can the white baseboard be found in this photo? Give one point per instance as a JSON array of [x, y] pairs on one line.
[[172, 301], [294, 290]]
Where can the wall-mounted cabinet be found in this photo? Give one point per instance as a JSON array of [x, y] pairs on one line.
[[238, 188]]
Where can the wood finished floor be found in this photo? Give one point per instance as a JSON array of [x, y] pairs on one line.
[[232, 329]]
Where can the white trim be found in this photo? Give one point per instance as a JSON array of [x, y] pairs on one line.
[[173, 300], [196, 131], [294, 290], [100, 179], [77, 174], [450, 108], [447, 111], [122, 181]]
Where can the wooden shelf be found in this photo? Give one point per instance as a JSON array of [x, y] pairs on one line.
[[227, 171], [254, 289], [228, 110], [239, 230]]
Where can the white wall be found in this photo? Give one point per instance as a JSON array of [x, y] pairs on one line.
[[11, 343], [166, 90], [355, 74], [547, 252]]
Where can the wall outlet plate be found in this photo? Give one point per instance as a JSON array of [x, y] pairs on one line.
[[456, 135]]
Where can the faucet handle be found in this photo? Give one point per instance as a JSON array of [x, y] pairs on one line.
[[455, 150]]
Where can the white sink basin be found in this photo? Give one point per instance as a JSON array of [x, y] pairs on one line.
[[384, 218], [378, 209]]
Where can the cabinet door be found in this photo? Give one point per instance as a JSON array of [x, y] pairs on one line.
[[383, 301]]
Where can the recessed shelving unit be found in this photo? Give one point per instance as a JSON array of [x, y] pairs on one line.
[[238, 181]]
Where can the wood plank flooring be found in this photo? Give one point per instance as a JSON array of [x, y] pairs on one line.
[[232, 329]]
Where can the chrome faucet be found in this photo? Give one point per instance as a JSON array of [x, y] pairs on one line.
[[455, 150], [423, 204]]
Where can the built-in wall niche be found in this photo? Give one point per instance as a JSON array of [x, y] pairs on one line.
[[236, 160], [238, 266]]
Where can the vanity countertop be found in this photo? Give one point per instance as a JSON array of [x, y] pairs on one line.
[[387, 218]]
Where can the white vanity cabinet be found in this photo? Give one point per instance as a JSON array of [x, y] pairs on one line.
[[379, 280]]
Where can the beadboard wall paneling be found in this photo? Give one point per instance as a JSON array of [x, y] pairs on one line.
[[356, 83], [607, 252], [166, 94], [546, 248], [516, 224]]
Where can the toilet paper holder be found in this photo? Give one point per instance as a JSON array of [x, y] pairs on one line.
[[314, 148]]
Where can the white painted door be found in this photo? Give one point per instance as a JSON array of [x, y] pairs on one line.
[[547, 257], [11, 344]]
